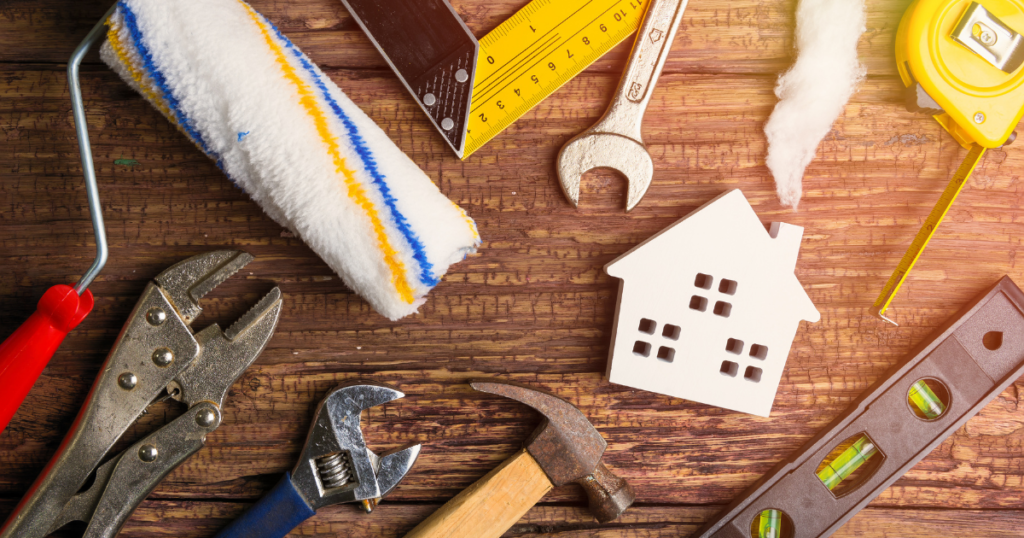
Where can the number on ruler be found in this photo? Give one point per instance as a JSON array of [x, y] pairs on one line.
[[561, 27]]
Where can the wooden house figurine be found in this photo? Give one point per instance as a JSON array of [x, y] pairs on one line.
[[708, 308]]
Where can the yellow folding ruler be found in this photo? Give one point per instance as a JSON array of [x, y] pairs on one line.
[[536, 51], [961, 63]]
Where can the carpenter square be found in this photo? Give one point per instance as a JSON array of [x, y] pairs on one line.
[[433, 53]]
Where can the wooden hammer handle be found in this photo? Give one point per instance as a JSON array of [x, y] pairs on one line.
[[492, 504]]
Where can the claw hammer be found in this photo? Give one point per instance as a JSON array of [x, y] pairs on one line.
[[564, 448]]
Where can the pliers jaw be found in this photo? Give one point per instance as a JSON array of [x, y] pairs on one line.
[[188, 281], [336, 466]]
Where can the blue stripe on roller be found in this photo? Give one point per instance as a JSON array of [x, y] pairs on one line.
[[369, 163], [273, 516], [161, 82]]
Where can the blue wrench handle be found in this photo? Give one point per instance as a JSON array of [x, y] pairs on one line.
[[273, 516]]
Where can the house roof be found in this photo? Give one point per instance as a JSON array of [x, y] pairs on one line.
[[723, 233]]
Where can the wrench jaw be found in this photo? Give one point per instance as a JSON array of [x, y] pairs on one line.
[[591, 150], [186, 282], [336, 466], [394, 466]]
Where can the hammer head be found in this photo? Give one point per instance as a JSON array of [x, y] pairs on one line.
[[568, 448]]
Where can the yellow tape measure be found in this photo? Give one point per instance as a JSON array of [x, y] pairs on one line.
[[536, 51], [931, 224], [960, 64]]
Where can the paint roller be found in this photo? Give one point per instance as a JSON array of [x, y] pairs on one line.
[[283, 132]]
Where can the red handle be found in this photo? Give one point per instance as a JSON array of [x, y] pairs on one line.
[[26, 352]]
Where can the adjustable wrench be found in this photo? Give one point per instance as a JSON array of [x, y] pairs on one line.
[[615, 141], [335, 467]]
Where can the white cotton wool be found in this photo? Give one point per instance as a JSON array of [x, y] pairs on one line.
[[815, 90]]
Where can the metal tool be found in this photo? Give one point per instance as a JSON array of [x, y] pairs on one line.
[[961, 65], [924, 399], [335, 467], [25, 353], [155, 352], [514, 67], [433, 53], [564, 448], [615, 141], [537, 50]]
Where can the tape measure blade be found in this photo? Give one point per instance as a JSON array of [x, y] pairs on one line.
[[924, 235], [536, 51]]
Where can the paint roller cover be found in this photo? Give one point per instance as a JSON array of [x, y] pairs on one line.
[[813, 93], [282, 131]]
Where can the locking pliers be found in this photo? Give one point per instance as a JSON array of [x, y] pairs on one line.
[[155, 352]]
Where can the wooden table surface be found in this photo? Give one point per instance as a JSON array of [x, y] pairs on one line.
[[534, 305]]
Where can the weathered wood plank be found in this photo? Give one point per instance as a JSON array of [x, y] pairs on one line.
[[534, 304], [716, 36], [202, 519]]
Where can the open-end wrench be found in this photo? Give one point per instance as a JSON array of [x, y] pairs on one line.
[[615, 141]]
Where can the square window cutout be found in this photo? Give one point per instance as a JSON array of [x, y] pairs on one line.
[[642, 348], [729, 368], [666, 353], [671, 331], [647, 326], [727, 286], [759, 352], [734, 346], [698, 303], [723, 309], [703, 281], [752, 373]]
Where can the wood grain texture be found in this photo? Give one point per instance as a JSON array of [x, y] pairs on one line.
[[534, 305], [491, 505]]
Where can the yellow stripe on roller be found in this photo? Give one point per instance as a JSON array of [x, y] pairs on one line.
[[355, 191], [147, 89]]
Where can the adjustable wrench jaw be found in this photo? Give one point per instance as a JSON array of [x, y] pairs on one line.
[[336, 466], [155, 350]]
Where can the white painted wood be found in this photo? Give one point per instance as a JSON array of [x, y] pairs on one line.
[[749, 331]]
